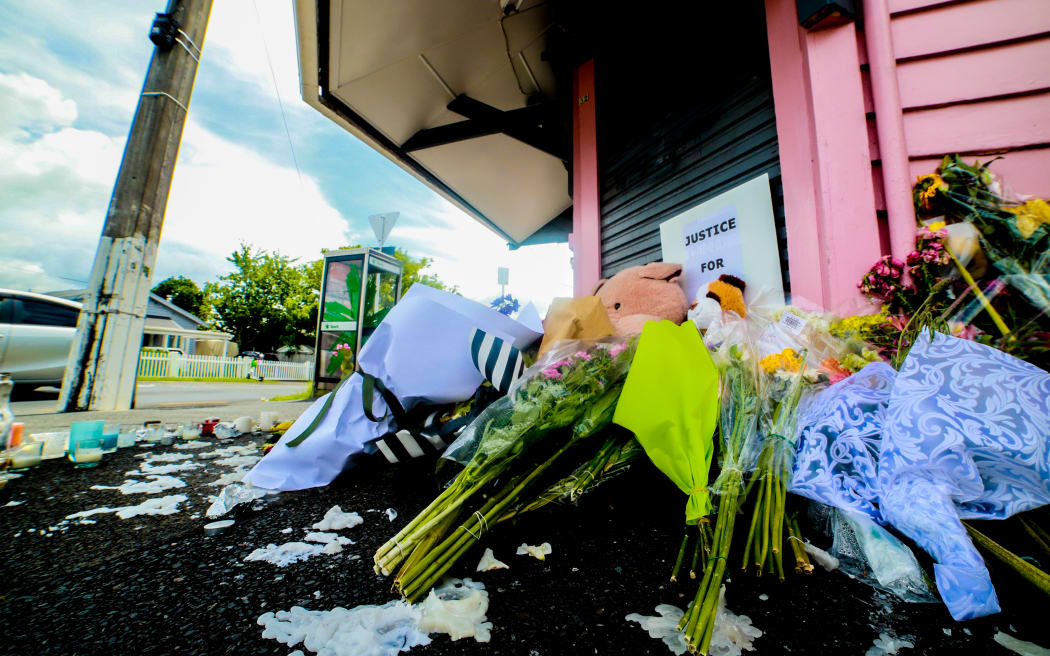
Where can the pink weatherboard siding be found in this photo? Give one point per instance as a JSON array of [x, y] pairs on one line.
[[889, 125], [983, 126], [832, 233], [958, 25], [971, 77], [586, 216], [1014, 68], [797, 150]]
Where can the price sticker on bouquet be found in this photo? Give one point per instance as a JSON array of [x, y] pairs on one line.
[[792, 323]]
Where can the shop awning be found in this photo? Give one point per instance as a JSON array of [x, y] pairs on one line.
[[458, 94]]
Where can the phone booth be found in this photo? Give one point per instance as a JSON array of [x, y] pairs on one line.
[[358, 288]]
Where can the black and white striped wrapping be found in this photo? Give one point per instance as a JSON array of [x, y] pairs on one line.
[[498, 361]]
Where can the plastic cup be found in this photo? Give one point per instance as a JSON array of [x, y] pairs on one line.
[[127, 436], [87, 453], [26, 455], [84, 430], [110, 434], [15, 438]]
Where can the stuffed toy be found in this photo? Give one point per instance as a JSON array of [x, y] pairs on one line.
[[643, 293], [723, 295]]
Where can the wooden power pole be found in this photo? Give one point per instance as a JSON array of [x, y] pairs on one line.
[[103, 362]]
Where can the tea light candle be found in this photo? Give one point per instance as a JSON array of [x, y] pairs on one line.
[[267, 419], [190, 432]]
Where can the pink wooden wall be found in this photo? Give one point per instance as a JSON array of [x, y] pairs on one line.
[[974, 78], [585, 239]]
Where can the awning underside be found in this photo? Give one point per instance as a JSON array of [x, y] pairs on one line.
[[458, 93]]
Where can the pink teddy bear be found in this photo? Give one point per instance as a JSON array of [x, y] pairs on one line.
[[643, 293]]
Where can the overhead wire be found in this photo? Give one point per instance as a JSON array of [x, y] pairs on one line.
[[277, 92]]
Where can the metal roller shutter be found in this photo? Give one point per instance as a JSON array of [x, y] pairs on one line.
[[694, 145]]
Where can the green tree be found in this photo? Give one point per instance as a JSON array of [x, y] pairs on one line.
[[415, 270], [184, 293], [267, 302]]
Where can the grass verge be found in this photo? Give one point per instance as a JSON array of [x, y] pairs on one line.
[[184, 379], [306, 394]]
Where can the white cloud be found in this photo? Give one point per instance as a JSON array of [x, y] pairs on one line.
[[242, 32], [468, 254], [223, 193], [67, 95], [55, 186], [32, 105]]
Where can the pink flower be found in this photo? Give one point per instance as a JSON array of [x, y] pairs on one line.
[[551, 374], [617, 350], [583, 355], [963, 331], [898, 321]]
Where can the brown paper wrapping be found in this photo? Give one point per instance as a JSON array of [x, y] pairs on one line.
[[583, 317]]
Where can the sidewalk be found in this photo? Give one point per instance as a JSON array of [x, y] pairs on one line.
[[285, 410]]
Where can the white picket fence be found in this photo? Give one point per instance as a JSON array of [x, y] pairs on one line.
[[160, 364]]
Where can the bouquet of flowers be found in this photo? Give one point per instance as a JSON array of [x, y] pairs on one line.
[[566, 397], [783, 383], [739, 407]]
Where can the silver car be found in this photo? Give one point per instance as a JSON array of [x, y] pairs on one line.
[[36, 332]]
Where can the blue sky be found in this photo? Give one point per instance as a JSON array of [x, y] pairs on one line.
[[69, 82]]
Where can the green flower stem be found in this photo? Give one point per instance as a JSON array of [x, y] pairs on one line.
[[802, 563], [387, 558], [394, 543], [1037, 534], [439, 560], [766, 489], [709, 608], [750, 536], [996, 318], [698, 622], [435, 562], [431, 539], [678, 560], [696, 553], [1030, 572]]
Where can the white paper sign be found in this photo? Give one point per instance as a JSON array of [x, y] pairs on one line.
[[731, 233], [712, 248]]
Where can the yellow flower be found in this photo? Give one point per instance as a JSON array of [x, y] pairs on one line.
[[787, 360], [1030, 215], [936, 184]]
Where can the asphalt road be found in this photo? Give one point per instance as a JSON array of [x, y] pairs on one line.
[[167, 395]]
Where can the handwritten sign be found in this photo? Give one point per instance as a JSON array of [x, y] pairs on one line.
[[732, 233], [712, 247]]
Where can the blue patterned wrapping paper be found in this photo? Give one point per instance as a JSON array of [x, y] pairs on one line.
[[961, 432], [840, 437]]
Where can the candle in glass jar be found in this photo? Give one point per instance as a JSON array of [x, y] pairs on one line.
[[25, 458], [89, 455]]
